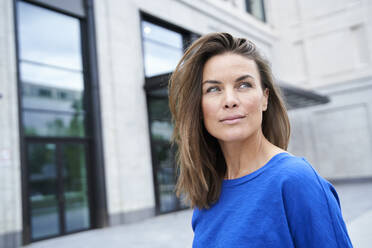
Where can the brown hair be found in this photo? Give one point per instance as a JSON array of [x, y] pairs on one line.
[[201, 164]]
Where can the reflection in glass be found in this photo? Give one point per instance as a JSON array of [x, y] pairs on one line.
[[165, 176], [48, 37], [163, 49], [161, 35], [160, 117], [44, 75], [43, 190], [159, 109], [161, 131], [256, 8], [159, 93], [75, 186], [160, 59], [51, 72], [53, 124], [40, 98]]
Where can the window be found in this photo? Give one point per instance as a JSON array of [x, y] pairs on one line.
[[62, 95], [163, 46], [50, 60], [56, 141], [45, 93], [256, 8]]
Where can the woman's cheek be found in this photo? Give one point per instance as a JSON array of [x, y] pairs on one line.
[[253, 105]]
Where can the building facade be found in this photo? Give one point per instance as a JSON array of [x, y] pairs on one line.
[[84, 120], [327, 46]]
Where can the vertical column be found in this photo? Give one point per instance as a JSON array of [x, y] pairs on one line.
[[10, 172]]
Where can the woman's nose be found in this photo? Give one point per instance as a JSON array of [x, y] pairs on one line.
[[231, 99]]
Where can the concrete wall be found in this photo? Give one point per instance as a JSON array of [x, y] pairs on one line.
[[322, 42], [326, 46], [336, 138], [124, 118], [10, 172]]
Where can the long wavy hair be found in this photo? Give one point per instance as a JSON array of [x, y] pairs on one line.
[[200, 162]]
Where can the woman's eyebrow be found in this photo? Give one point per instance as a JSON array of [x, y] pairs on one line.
[[236, 80], [243, 77], [211, 82]]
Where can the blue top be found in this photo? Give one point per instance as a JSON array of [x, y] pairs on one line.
[[285, 203]]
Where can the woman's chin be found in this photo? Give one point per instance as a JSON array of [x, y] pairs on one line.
[[230, 138]]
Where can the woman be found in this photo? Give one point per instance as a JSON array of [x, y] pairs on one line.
[[232, 131]]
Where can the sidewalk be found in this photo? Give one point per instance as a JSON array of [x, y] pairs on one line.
[[360, 231], [356, 206], [166, 231], [174, 230]]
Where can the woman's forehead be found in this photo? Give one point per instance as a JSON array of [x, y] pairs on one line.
[[229, 66]]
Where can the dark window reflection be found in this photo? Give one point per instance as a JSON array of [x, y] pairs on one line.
[[49, 123], [75, 187], [161, 131], [161, 127], [166, 176], [51, 72], [43, 190]]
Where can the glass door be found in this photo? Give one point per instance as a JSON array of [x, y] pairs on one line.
[[58, 195], [43, 193], [74, 187]]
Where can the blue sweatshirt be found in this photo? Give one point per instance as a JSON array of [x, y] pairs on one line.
[[285, 203]]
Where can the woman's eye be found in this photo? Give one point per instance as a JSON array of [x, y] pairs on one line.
[[245, 85], [212, 89]]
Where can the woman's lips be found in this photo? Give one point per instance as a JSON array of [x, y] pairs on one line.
[[232, 119]]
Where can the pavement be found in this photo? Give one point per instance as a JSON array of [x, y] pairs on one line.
[[356, 207], [174, 230]]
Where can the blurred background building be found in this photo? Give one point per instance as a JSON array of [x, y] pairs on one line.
[[84, 118]]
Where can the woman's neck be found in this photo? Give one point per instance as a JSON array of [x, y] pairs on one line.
[[246, 156]]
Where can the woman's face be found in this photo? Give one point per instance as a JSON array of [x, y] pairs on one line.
[[232, 97]]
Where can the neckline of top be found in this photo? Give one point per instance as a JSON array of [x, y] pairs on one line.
[[250, 176]]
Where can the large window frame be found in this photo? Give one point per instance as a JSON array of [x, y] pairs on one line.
[[93, 138], [152, 86]]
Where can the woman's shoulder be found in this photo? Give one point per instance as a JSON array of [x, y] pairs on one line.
[[290, 164], [299, 178], [295, 164], [297, 171]]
